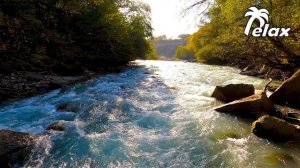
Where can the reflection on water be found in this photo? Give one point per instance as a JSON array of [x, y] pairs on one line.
[[156, 114]]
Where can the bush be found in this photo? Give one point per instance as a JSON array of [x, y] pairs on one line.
[[183, 53], [152, 53]]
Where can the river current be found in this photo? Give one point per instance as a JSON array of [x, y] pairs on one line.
[[153, 114]]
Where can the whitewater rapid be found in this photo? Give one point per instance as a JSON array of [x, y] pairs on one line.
[[153, 114]]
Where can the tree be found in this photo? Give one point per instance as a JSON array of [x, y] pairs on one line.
[[183, 36], [222, 36], [152, 53], [196, 5], [68, 36], [184, 53], [160, 38]]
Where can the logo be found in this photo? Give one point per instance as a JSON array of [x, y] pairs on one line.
[[260, 17]]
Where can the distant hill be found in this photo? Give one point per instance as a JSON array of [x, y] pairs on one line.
[[167, 48]]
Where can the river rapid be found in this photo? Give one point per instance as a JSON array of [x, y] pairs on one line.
[[153, 114]]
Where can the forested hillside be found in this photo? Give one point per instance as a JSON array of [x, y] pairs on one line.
[[221, 39], [69, 36]]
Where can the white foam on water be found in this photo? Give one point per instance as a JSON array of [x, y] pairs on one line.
[[159, 114]]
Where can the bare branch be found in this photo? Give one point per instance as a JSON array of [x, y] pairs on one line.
[[196, 4]]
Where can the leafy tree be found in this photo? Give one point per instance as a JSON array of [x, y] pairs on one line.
[[183, 36], [160, 38], [222, 38], [184, 53], [68, 36], [152, 53]]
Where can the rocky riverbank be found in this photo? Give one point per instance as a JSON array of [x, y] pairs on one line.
[[264, 71], [275, 121], [15, 148], [19, 85]]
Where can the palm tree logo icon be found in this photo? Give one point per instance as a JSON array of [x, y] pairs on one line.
[[262, 15]]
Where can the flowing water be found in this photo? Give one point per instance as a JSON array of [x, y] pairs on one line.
[[154, 114]]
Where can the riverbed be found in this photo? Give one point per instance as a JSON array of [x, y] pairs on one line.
[[153, 114]]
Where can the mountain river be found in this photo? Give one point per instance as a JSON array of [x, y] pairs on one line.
[[153, 114]]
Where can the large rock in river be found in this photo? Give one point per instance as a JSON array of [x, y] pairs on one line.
[[68, 107], [233, 92], [14, 147], [249, 107], [57, 126], [288, 92], [276, 129]]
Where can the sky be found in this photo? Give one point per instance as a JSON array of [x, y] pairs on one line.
[[167, 19]]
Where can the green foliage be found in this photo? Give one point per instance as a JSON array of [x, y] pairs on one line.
[[209, 54], [84, 34], [221, 39], [183, 36], [152, 53], [161, 38], [183, 53]]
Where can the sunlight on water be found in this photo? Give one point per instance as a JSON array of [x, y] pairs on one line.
[[155, 114]]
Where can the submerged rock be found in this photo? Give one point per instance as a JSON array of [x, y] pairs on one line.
[[68, 107], [288, 92], [14, 147], [276, 129], [233, 92], [281, 159], [253, 106], [57, 126]]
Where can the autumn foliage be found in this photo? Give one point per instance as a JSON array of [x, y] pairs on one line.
[[221, 38]]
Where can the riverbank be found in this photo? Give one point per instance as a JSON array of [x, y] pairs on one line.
[[18, 85], [265, 72], [22, 84], [274, 121], [255, 69]]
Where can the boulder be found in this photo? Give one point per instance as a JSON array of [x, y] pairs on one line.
[[68, 107], [15, 147], [288, 92], [289, 112], [233, 92], [276, 129], [249, 107], [57, 126]]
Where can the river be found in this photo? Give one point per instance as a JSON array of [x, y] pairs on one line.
[[154, 114]]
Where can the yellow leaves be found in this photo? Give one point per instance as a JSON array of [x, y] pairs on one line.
[[209, 54], [184, 53], [222, 37], [234, 10], [152, 53]]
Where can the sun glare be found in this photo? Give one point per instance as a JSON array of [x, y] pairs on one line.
[[167, 19]]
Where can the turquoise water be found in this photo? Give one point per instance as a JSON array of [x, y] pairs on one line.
[[154, 114]]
